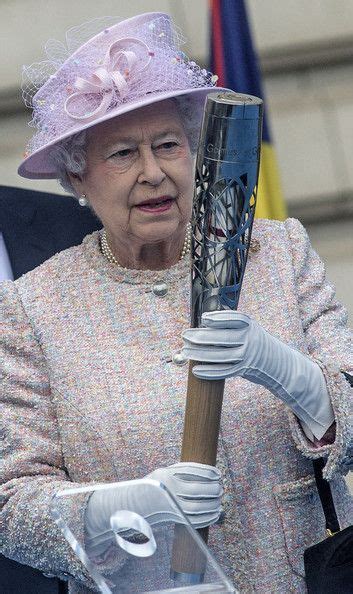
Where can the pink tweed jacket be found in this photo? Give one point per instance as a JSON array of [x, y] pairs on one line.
[[90, 393]]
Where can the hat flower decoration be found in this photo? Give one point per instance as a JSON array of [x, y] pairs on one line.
[[111, 81], [126, 65]]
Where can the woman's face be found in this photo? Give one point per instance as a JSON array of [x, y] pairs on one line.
[[139, 174]]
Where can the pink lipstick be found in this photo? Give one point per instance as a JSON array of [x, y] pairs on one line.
[[160, 204]]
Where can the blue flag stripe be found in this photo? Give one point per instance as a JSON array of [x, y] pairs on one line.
[[242, 73]]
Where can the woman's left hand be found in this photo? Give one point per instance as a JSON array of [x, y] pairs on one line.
[[233, 344]]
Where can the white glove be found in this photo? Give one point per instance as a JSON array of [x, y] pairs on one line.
[[237, 345], [196, 487]]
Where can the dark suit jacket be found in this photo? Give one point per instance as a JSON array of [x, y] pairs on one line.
[[35, 226]]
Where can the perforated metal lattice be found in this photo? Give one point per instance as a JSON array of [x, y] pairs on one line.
[[223, 215]]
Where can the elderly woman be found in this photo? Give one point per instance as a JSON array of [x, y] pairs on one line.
[[91, 387]]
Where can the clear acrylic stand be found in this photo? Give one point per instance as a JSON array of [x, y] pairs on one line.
[[140, 556]]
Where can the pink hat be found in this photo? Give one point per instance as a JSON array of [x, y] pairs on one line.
[[125, 66]]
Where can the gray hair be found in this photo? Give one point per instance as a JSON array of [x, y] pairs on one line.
[[69, 156]]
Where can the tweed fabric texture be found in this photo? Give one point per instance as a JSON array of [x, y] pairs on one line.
[[90, 394]]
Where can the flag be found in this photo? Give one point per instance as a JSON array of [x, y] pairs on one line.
[[234, 60]]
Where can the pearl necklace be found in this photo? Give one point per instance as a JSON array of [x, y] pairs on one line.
[[107, 252]]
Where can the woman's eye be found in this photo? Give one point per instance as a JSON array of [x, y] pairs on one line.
[[123, 153], [168, 145]]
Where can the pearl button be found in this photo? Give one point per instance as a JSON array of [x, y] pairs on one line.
[[160, 289], [179, 359]]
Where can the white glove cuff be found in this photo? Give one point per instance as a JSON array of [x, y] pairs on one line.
[[314, 409], [324, 415]]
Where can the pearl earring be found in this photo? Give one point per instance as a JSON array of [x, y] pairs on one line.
[[83, 200]]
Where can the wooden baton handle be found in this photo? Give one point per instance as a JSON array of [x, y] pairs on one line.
[[200, 440]]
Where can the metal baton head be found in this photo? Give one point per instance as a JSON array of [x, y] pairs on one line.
[[227, 169]]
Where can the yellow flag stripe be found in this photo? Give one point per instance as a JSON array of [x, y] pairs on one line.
[[270, 202]]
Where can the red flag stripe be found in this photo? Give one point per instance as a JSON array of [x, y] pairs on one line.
[[217, 42]]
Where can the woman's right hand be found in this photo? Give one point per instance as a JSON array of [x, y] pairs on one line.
[[196, 488]]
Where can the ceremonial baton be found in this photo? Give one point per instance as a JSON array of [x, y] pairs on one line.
[[227, 169]]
